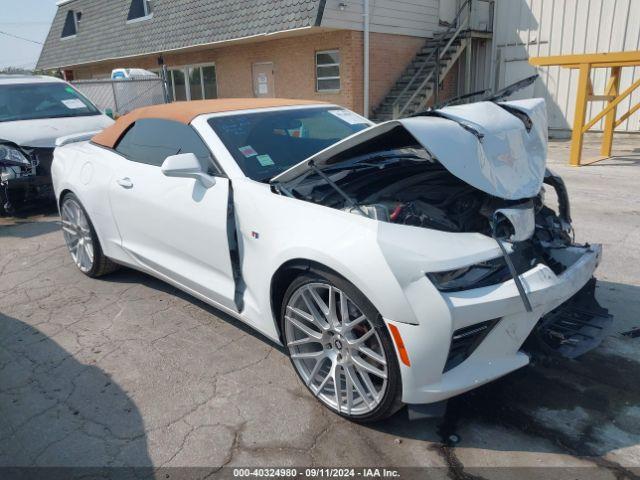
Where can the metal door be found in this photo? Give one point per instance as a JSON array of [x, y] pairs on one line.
[[263, 85]]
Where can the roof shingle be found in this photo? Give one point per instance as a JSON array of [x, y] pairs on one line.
[[104, 33]]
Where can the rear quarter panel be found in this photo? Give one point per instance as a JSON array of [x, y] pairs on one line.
[[84, 169]]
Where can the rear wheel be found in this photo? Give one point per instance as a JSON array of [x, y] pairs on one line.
[[81, 239], [340, 347]]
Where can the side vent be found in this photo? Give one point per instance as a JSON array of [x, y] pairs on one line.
[[465, 340]]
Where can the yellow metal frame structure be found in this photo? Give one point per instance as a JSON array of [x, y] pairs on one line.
[[615, 61]]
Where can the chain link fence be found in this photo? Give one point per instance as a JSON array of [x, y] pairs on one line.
[[122, 96]]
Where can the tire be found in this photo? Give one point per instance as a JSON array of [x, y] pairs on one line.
[[325, 351], [81, 239]]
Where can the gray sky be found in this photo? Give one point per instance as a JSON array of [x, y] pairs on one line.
[[30, 19]]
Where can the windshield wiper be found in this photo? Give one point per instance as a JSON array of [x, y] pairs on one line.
[[439, 114], [513, 88], [456, 100], [500, 95], [45, 117]]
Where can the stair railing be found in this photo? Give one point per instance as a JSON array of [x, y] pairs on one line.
[[439, 52]]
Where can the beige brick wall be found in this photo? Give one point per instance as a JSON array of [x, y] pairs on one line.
[[293, 60], [294, 65], [390, 55], [449, 85]]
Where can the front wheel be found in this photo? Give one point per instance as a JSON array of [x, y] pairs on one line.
[[340, 347]]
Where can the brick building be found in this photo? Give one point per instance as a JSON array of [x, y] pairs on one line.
[[312, 49]]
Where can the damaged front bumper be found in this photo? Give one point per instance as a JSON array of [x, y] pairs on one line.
[[497, 348], [574, 328], [27, 185]]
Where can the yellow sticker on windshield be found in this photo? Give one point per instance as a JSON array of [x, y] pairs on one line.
[[265, 160]]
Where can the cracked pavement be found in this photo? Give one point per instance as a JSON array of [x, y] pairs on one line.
[[128, 371]]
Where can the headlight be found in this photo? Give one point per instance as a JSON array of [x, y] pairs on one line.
[[12, 157], [479, 275]]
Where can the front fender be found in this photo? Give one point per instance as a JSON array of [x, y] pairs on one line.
[[364, 266], [273, 230]]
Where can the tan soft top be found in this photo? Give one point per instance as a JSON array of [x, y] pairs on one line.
[[185, 112]]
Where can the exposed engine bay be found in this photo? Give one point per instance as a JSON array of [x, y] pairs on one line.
[[408, 187]]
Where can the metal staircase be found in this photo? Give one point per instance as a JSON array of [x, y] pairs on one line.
[[420, 82]]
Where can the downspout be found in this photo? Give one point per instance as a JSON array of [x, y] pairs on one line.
[[365, 18], [493, 77]]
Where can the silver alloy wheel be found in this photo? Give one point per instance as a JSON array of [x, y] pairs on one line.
[[77, 234], [335, 349]]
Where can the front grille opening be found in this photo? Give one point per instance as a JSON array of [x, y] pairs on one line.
[[465, 340]]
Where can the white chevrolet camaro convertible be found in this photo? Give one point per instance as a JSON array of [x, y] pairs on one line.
[[399, 264]]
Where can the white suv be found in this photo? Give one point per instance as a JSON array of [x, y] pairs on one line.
[[34, 112]]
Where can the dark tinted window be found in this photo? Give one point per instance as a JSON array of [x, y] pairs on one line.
[[28, 101], [152, 140], [69, 25], [265, 144], [138, 9]]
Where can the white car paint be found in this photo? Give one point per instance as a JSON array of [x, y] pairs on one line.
[[43, 132], [129, 73], [174, 228]]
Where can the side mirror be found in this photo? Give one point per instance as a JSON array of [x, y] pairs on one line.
[[186, 165], [109, 113]]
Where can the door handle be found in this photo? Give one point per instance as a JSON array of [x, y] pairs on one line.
[[125, 182]]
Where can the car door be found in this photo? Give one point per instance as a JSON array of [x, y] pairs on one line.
[[172, 226]]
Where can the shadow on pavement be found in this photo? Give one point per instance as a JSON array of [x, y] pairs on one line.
[[28, 229], [128, 275], [30, 222], [56, 411], [614, 161]]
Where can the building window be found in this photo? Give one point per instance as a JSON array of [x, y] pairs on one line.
[[178, 85], [70, 27], [209, 81], [328, 71], [193, 82], [139, 10]]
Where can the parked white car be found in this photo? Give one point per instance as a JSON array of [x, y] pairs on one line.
[[129, 73], [34, 112], [400, 263]]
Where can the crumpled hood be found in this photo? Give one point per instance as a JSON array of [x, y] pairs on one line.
[[42, 133], [503, 159]]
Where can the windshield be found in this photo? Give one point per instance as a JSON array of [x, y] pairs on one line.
[[265, 144], [29, 101]]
